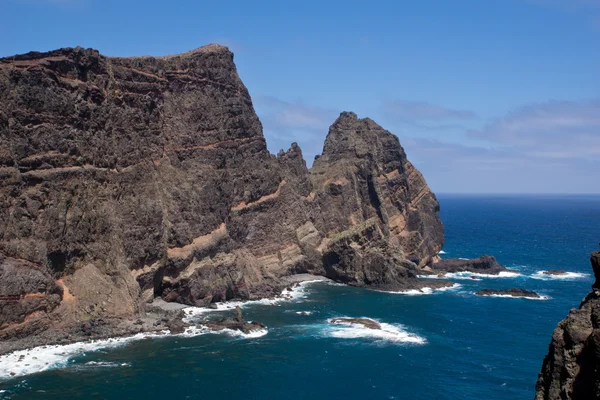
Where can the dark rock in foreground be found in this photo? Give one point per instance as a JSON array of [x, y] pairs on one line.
[[514, 292], [366, 322], [571, 370]]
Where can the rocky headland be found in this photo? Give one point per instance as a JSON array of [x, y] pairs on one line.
[[571, 369], [124, 180]]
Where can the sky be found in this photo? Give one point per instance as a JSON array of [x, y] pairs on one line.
[[486, 96]]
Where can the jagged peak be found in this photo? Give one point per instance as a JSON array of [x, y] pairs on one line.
[[351, 136], [293, 152]]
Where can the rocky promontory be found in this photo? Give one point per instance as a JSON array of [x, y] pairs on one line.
[[124, 180], [571, 369]]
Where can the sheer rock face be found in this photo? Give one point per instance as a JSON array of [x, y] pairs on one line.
[[571, 370], [122, 179], [364, 174]]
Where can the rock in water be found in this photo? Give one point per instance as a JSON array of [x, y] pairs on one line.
[[556, 272], [482, 265], [366, 322], [514, 292], [237, 323], [571, 370], [125, 179]]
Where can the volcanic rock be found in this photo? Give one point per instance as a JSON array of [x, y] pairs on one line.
[[571, 369], [555, 272], [236, 323], [128, 179], [366, 322], [514, 292], [482, 265]]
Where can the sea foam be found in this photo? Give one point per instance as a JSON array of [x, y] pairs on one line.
[[568, 276], [424, 290], [508, 296], [42, 358], [387, 333], [466, 275], [296, 293]]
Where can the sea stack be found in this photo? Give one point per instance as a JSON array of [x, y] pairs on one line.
[[128, 179]]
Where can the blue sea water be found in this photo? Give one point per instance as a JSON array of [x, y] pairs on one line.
[[471, 347]]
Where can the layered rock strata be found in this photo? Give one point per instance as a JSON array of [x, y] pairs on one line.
[[127, 179]]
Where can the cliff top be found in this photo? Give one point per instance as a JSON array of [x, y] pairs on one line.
[[66, 51]]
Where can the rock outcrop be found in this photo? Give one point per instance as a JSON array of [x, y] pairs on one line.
[[482, 265], [234, 323], [555, 272], [513, 292], [571, 370], [127, 179], [366, 322]]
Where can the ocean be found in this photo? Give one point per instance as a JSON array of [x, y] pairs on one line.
[[441, 345]]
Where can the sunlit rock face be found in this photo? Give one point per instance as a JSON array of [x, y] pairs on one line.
[[125, 179]]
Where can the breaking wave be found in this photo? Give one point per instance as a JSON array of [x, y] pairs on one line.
[[424, 290], [567, 276], [508, 296], [43, 358], [387, 333]]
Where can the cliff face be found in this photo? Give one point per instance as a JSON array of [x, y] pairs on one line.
[[571, 370], [124, 179]]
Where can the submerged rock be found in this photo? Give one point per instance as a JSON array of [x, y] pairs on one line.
[[366, 322], [571, 369], [514, 292]]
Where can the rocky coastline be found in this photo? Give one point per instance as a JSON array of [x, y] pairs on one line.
[[127, 182]]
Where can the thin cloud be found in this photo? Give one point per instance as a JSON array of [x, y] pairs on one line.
[[294, 121], [411, 111], [553, 129], [454, 167]]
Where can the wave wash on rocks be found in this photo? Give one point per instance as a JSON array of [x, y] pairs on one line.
[[127, 179]]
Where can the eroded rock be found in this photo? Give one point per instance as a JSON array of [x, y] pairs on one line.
[[514, 292], [571, 369]]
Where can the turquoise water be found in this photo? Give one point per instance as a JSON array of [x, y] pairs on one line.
[[471, 347]]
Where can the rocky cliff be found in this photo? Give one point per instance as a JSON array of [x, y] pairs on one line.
[[571, 370], [127, 179]]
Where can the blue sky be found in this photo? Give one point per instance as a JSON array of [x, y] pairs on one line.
[[486, 96]]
